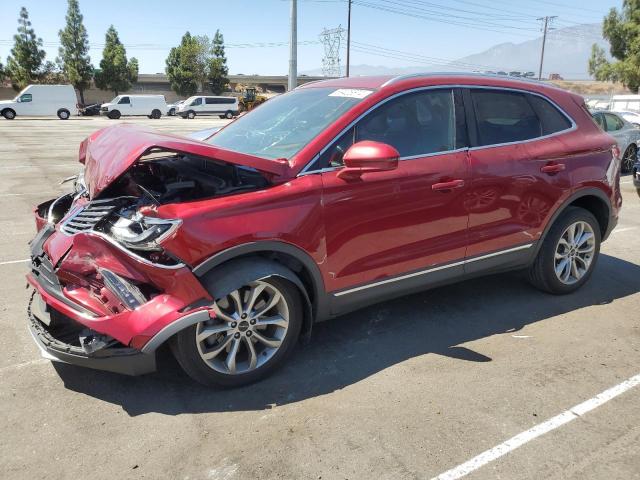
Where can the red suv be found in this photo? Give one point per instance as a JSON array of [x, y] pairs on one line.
[[339, 194]]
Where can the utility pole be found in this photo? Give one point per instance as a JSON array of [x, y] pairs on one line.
[[348, 38], [547, 20], [293, 47]]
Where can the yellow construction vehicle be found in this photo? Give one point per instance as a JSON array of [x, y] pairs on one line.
[[250, 99]]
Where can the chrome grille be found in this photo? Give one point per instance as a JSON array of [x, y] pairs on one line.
[[86, 218]]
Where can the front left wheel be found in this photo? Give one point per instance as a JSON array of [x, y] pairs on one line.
[[254, 330]]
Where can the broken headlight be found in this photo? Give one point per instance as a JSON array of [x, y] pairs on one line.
[[139, 232]]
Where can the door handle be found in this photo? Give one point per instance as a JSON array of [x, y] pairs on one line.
[[553, 168], [459, 183]]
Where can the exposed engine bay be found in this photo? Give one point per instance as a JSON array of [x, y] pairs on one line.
[[182, 178], [156, 179]]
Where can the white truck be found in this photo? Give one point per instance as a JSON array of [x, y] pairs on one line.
[[152, 106], [224, 107], [42, 101]]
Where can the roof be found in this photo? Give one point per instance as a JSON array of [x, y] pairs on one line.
[[378, 82]]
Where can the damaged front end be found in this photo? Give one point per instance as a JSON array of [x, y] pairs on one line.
[[106, 291]]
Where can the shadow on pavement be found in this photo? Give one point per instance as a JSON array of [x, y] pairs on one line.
[[348, 349]]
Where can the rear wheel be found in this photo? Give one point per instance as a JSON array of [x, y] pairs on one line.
[[569, 253], [629, 158], [254, 330], [63, 114], [114, 114], [156, 114], [9, 114]]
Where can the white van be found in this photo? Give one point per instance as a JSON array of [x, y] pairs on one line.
[[224, 107], [623, 103], [153, 106], [42, 101]]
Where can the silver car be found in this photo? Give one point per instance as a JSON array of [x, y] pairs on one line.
[[626, 134]]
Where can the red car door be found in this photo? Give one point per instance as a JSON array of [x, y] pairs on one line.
[[519, 172], [389, 227]]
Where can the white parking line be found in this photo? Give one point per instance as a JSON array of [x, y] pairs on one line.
[[10, 262], [515, 442], [624, 229]]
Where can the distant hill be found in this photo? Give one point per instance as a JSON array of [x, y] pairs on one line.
[[567, 53]]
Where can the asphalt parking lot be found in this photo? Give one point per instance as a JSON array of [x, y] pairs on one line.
[[408, 389]]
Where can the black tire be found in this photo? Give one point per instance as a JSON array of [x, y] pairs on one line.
[[191, 114], [629, 158], [172, 112], [221, 116], [156, 114], [185, 348], [63, 114], [9, 114], [228, 114], [114, 114], [542, 273]]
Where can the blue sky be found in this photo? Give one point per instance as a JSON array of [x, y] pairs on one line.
[[438, 29]]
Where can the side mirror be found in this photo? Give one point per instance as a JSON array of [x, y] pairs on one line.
[[368, 157]]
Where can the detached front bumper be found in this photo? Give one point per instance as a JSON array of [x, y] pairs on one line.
[[97, 305]]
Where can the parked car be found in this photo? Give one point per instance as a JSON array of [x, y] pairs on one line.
[[336, 195], [224, 107], [172, 108], [626, 134], [90, 110], [150, 106], [42, 101]]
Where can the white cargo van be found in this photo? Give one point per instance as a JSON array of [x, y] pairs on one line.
[[153, 106], [224, 107], [42, 101]]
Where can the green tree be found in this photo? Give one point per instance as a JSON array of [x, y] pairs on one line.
[[73, 55], [25, 62], [2, 74], [184, 67], [217, 66], [116, 73], [622, 30], [51, 74]]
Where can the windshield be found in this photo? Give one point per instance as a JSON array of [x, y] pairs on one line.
[[285, 124], [116, 100]]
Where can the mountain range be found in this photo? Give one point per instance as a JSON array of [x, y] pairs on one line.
[[567, 53]]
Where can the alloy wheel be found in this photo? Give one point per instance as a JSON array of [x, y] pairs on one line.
[[574, 252], [249, 327], [629, 158]]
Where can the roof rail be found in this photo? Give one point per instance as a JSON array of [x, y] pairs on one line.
[[464, 74]]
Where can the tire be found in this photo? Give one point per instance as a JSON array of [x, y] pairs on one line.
[[9, 114], [228, 114], [155, 114], [221, 116], [63, 114], [172, 112], [629, 158], [215, 371], [114, 114], [542, 273], [191, 114]]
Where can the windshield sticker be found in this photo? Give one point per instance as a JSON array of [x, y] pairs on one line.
[[350, 93]]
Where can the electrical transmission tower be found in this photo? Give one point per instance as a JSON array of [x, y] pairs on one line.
[[331, 40]]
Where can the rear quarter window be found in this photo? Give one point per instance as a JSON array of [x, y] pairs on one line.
[[552, 120]]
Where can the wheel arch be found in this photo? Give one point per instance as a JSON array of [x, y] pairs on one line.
[[591, 199], [295, 260]]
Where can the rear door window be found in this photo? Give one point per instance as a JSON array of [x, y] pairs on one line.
[[551, 119], [504, 117], [210, 101]]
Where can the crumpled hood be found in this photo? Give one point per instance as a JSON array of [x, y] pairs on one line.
[[110, 152]]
